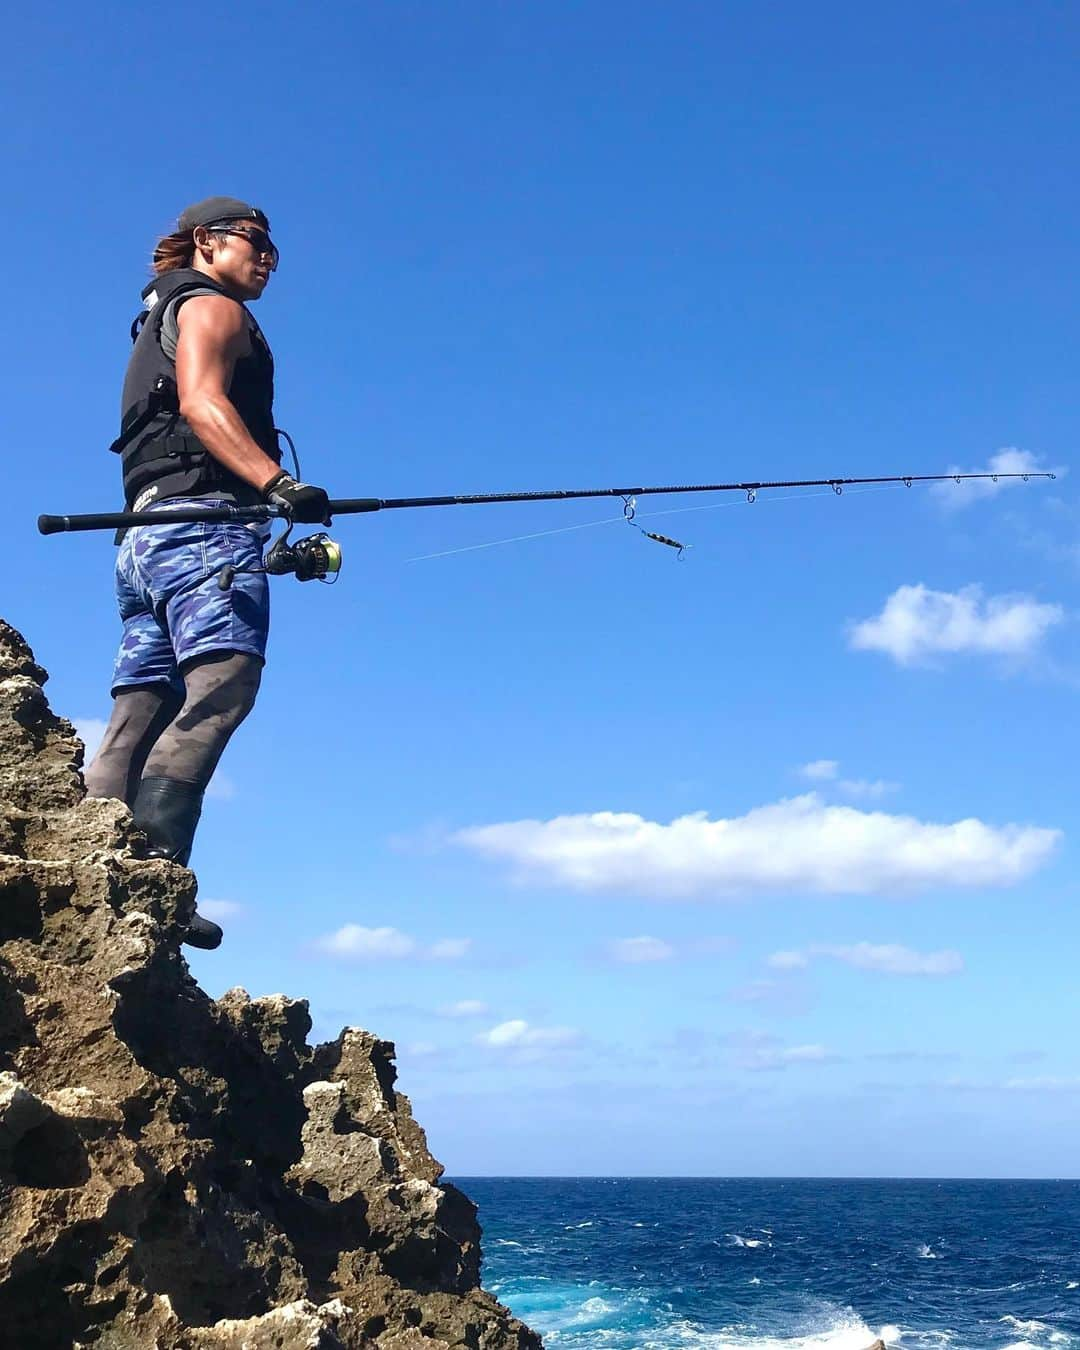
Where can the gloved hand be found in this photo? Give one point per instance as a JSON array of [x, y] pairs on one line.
[[304, 503]]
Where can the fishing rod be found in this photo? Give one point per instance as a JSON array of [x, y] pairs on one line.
[[314, 557]]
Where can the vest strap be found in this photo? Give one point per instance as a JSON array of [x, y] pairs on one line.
[[163, 397]]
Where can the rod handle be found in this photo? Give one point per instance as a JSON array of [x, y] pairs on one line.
[[61, 524], [355, 506]]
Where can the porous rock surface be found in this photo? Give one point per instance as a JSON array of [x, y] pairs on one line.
[[178, 1172]]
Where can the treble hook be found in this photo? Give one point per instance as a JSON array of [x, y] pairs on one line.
[[837, 488], [629, 508], [751, 495]]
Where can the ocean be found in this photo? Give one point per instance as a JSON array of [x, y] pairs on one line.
[[712, 1264]]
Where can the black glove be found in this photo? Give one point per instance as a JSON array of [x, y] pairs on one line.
[[304, 503]]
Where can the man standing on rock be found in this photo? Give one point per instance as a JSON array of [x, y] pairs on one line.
[[197, 428]]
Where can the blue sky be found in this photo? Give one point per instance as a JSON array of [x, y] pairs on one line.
[[761, 862]]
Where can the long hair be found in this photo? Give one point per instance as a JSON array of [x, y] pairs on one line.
[[173, 251]]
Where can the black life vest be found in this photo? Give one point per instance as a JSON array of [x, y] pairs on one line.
[[162, 457]]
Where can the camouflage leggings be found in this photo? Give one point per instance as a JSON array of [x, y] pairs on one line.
[[154, 730]]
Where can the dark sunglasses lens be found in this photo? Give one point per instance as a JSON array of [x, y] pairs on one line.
[[262, 243]]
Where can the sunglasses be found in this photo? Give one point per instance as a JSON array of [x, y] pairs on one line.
[[259, 240]]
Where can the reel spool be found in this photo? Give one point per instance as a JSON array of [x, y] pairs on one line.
[[315, 558]]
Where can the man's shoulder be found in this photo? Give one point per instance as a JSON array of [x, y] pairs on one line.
[[204, 300]]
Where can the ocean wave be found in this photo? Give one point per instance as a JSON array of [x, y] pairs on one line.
[[737, 1240], [1031, 1328], [599, 1317], [925, 1252]]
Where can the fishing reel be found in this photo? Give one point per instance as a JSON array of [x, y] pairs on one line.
[[314, 558]]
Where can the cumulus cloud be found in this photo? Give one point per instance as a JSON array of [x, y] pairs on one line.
[[953, 495], [356, 943], [916, 624], [799, 843], [464, 1007], [637, 950], [828, 771], [517, 1034], [885, 958]]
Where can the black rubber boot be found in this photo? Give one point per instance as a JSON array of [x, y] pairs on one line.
[[167, 811]]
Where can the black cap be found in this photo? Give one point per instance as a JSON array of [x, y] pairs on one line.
[[217, 210]]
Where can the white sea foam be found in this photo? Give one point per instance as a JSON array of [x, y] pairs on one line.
[[1073, 1284], [846, 1331], [925, 1252], [737, 1240], [1036, 1334], [614, 1319]]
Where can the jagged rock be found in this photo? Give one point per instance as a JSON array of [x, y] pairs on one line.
[[178, 1172]]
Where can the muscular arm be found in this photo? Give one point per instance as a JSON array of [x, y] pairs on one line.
[[213, 337]]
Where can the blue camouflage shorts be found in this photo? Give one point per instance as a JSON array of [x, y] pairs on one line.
[[171, 604]]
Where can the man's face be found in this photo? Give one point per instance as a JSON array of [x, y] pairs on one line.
[[243, 257]]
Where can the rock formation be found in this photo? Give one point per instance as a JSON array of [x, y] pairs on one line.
[[178, 1172]]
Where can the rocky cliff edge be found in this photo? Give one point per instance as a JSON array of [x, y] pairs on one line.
[[176, 1171]]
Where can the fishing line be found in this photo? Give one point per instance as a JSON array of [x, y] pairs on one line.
[[645, 515]]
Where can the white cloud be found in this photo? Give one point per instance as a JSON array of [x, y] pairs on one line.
[[828, 771], [465, 1007], [764, 1058], [820, 770], [518, 1034], [386, 944], [867, 789], [798, 843], [220, 909], [885, 958], [637, 950], [954, 495], [917, 623], [788, 961], [892, 959], [367, 944], [90, 731]]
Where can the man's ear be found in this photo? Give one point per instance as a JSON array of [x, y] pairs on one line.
[[202, 240]]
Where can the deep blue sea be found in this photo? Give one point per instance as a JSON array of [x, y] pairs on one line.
[[708, 1264]]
